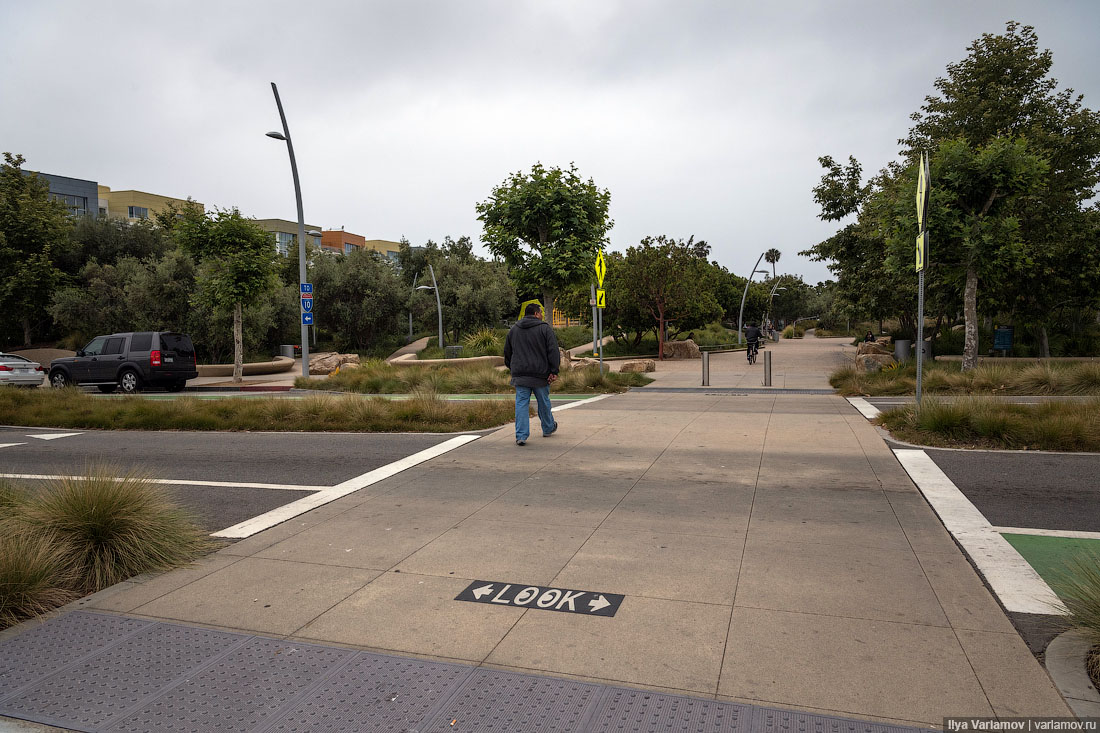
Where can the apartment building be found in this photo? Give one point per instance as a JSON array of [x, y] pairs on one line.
[[285, 233], [137, 205]]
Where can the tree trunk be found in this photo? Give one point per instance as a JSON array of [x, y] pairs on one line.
[[238, 346], [970, 316], [1044, 343], [660, 333], [26, 332], [548, 305]]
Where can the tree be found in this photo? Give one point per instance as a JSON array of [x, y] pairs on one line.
[[665, 278], [547, 226], [32, 227], [237, 264], [772, 256], [360, 297]]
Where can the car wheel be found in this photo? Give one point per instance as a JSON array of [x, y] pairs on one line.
[[59, 379], [176, 386], [130, 382], [107, 388]]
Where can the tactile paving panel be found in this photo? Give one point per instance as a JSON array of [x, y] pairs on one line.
[[88, 694], [241, 691], [375, 693], [45, 649], [651, 712], [766, 720], [503, 702]]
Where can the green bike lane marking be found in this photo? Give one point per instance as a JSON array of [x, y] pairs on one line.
[[1050, 555]]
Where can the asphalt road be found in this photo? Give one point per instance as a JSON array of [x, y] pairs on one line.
[[1036, 490], [288, 460]]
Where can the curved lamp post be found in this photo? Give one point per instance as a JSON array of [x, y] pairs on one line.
[[438, 307], [741, 315], [771, 297], [285, 135]]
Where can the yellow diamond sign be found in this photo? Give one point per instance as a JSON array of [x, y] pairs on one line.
[[601, 268], [922, 192], [601, 298]]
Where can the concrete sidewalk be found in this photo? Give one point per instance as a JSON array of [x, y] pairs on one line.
[[769, 548]]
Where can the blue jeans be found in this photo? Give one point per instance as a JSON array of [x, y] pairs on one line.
[[523, 418]]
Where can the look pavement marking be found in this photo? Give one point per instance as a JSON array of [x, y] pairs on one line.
[[868, 410], [1010, 576], [10, 445], [171, 481], [1072, 534], [328, 494], [584, 602], [53, 436], [578, 403]]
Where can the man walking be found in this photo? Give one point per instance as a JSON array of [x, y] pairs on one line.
[[531, 353]]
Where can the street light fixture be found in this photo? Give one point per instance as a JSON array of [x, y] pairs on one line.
[[438, 307], [285, 135], [741, 315]]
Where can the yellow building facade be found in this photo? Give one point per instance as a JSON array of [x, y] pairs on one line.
[[137, 205]]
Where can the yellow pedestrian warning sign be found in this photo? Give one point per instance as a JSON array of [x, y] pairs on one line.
[[601, 270], [922, 248], [601, 298]]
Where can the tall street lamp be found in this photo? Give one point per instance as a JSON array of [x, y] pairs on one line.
[[741, 315], [775, 289], [285, 135], [438, 307], [411, 310]]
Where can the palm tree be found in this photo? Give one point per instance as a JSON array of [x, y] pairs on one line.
[[772, 256]]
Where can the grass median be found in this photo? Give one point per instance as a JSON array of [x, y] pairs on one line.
[[986, 423], [423, 412], [947, 378], [378, 377]]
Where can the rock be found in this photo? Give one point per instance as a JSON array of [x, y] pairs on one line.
[[566, 360], [886, 341], [682, 350], [584, 363], [872, 347], [329, 361], [873, 362], [639, 365]]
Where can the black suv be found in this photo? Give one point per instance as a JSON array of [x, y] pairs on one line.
[[129, 361]]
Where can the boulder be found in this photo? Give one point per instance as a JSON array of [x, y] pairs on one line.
[[329, 361], [638, 365], [566, 360], [584, 363], [682, 350], [873, 362], [872, 347]]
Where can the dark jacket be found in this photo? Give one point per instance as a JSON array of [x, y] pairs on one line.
[[752, 333], [531, 352]]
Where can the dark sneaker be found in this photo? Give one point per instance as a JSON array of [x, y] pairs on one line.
[[521, 442], [552, 431]]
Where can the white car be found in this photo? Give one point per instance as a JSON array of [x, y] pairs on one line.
[[20, 371]]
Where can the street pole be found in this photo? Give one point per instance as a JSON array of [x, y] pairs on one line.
[[741, 315], [920, 333], [438, 307], [301, 230], [593, 318]]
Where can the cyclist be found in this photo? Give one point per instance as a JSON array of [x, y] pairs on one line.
[[752, 335]]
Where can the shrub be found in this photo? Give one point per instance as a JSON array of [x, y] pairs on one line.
[[1079, 588], [35, 574], [114, 527], [485, 339]]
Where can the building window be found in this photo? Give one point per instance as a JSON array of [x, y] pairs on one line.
[[77, 205], [138, 212], [393, 255], [348, 248], [285, 242]]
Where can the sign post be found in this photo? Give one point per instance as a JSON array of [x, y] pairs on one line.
[[921, 260], [601, 303]]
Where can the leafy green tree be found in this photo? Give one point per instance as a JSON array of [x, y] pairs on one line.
[[32, 228], [236, 261], [665, 278], [360, 297], [547, 226], [109, 240]]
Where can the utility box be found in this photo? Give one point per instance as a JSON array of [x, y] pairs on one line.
[[452, 352]]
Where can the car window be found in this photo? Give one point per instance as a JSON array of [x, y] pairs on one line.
[[177, 342], [95, 346], [141, 341], [13, 357], [114, 345]]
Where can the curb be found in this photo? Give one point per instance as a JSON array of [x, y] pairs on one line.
[[242, 388], [1065, 662]]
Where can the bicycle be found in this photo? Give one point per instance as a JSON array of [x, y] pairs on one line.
[[750, 353]]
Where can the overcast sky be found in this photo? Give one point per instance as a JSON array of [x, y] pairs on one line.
[[701, 118]]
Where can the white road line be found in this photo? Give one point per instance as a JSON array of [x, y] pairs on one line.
[[10, 445], [578, 403], [865, 408], [1068, 533], [1010, 576], [172, 481], [269, 519], [53, 436]]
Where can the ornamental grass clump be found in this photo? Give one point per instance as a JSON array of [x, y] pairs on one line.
[[1078, 586], [113, 527], [35, 572]]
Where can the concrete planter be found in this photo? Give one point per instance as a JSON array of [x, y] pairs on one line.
[[277, 365], [1065, 661]]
